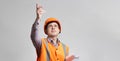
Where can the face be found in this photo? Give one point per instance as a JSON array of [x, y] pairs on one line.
[[53, 29]]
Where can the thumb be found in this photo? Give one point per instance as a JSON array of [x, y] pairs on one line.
[[36, 5]]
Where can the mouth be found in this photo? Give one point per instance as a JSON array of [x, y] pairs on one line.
[[53, 31]]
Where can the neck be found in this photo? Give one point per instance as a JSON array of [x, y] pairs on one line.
[[53, 38]]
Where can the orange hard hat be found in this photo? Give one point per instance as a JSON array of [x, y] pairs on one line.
[[49, 20]]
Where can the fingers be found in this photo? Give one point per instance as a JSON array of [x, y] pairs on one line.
[[39, 11], [70, 58], [38, 6]]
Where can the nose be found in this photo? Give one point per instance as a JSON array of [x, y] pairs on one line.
[[53, 27]]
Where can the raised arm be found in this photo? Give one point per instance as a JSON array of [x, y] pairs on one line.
[[35, 36]]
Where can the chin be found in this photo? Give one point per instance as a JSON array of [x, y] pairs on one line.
[[54, 34]]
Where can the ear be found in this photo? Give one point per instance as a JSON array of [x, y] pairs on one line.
[[46, 31], [59, 31]]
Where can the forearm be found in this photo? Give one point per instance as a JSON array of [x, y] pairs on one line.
[[35, 36]]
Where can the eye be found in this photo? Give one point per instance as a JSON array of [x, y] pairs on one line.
[[56, 25], [49, 26]]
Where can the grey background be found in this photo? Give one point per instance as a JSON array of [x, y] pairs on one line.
[[91, 28]]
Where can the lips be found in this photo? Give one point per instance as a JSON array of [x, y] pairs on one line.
[[53, 31]]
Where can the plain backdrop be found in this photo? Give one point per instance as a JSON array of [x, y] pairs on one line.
[[91, 28]]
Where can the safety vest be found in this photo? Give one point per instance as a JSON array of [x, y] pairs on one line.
[[50, 53]]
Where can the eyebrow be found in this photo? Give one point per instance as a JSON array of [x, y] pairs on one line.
[[53, 24]]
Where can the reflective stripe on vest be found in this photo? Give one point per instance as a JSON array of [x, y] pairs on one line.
[[47, 51], [64, 48]]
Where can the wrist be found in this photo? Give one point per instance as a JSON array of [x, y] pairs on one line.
[[37, 18]]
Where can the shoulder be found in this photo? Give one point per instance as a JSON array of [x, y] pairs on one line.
[[66, 48], [65, 45], [43, 40]]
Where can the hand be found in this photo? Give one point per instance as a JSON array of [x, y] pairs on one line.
[[39, 11], [70, 58]]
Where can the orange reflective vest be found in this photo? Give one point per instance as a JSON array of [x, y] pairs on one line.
[[50, 53]]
